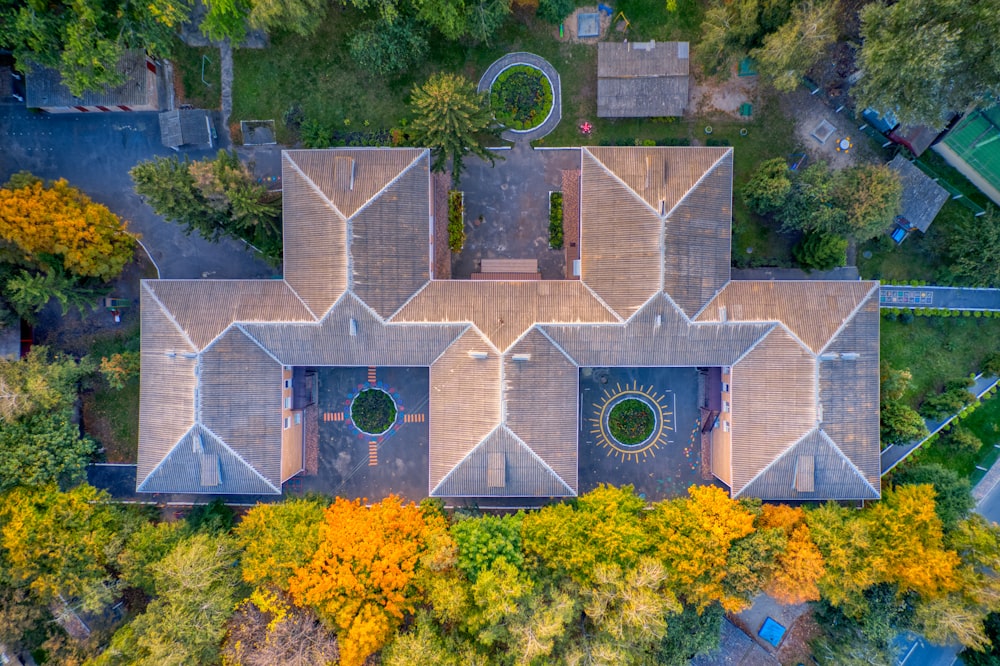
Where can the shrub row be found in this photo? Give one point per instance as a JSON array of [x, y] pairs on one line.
[[937, 312], [556, 220], [631, 141], [456, 223]]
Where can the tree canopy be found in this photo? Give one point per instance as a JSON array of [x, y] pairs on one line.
[[923, 60], [448, 117], [59, 221]]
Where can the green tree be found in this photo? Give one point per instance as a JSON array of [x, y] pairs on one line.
[[476, 20], [57, 543], [388, 48], [302, 17], [41, 448], [448, 117], [872, 196], [196, 591], [29, 293], [792, 50], [953, 494], [277, 539], [690, 634], [940, 405], [925, 59], [813, 203], [40, 382], [731, 29], [83, 39], [555, 11], [821, 251], [900, 423], [974, 245], [484, 540], [226, 20], [768, 187], [603, 526], [144, 549]]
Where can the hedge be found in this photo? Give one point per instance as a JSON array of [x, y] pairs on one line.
[[456, 223], [556, 220]]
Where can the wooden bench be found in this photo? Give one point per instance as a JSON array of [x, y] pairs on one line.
[[509, 266]]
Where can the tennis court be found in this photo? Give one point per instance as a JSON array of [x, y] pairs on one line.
[[976, 141]]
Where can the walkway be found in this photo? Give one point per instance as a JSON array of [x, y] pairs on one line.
[[522, 58], [894, 454], [94, 152], [945, 298]]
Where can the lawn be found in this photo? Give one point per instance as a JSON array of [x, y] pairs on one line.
[[984, 423], [112, 416], [191, 88], [937, 349]]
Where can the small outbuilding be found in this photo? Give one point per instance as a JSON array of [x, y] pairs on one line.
[[45, 90], [186, 127], [922, 197], [642, 79]]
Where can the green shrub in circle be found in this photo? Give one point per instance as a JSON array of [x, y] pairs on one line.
[[373, 411], [631, 421]]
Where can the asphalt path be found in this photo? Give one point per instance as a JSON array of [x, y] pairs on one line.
[[94, 152]]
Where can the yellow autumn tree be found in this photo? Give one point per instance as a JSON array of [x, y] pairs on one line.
[[363, 578], [801, 565], [59, 220], [695, 536]]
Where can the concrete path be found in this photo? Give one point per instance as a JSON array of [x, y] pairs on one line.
[[94, 152], [947, 298], [894, 454], [843, 273], [493, 71], [226, 74]]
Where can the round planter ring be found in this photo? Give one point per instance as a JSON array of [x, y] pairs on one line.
[[552, 94], [392, 421], [655, 432]]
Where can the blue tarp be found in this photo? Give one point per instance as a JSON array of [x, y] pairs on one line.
[[772, 632]]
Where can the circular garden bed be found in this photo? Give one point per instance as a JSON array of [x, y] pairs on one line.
[[373, 411], [521, 97], [631, 421]]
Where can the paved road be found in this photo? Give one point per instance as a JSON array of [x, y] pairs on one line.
[[94, 152], [950, 298]]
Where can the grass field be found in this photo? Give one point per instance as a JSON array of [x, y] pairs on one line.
[[984, 423], [112, 416], [937, 349]]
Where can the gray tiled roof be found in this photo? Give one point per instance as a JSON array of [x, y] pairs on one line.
[[642, 79], [240, 401], [834, 475], [922, 196], [504, 356], [374, 342], [185, 127], [44, 86], [516, 472]]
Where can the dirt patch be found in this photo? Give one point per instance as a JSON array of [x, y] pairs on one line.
[[572, 21], [75, 333], [808, 112], [710, 97], [795, 647]]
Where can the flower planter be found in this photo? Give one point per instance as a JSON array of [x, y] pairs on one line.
[[555, 220], [456, 220]]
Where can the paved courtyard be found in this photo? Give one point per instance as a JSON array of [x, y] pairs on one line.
[[668, 462], [353, 464], [507, 209]]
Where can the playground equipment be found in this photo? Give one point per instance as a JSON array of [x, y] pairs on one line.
[[621, 15], [115, 306]]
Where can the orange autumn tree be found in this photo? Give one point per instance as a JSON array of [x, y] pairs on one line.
[[801, 565], [695, 536], [58, 220], [363, 579]]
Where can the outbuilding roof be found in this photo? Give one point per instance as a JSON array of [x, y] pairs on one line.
[[44, 86], [642, 79], [922, 196], [505, 356]]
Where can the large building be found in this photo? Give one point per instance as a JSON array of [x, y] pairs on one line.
[[795, 364]]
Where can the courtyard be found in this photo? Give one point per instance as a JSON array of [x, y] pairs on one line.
[[352, 463], [662, 465]]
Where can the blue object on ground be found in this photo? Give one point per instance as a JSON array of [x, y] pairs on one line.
[[898, 234], [604, 8], [772, 632]]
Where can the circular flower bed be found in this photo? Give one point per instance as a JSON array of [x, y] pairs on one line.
[[631, 421], [373, 411], [521, 97]]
